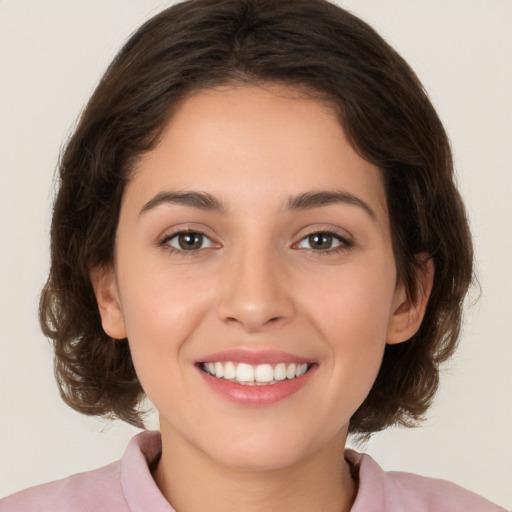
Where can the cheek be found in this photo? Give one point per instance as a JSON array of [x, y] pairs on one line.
[[354, 303], [353, 323], [356, 335], [161, 312]]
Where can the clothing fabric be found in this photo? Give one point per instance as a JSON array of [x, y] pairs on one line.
[[127, 486]]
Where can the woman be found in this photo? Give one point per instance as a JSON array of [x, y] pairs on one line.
[[258, 228]]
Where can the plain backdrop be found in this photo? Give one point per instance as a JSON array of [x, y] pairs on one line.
[[52, 53]]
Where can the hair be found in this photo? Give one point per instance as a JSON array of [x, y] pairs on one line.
[[385, 113]]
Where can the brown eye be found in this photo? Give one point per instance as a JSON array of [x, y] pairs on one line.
[[188, 241], [321, 241]]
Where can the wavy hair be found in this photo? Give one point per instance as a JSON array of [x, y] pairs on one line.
[[386, 115]]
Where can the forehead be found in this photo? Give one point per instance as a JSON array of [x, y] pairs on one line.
[[243, 142]]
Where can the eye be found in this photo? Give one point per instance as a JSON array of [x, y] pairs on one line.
[[187, 241], [322, 241]]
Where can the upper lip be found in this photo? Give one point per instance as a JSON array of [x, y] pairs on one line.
[[254, 357]]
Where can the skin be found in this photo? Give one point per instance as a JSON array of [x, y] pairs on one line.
[[257, 283]]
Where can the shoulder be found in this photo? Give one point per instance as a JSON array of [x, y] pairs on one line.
[[119, 487], [381, 491], [432, 494], [78, 493]]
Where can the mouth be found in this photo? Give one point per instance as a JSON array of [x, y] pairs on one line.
[[255, 378], [246, 374]]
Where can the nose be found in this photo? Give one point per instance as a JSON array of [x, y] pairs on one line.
[[255, 295]]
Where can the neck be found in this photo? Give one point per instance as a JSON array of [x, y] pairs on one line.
[[192, 481]]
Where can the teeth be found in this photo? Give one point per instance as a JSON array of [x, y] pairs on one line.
[[280, 371], [229, 371], [250, 375], [290, 371], [219, 370], [264, 373], [244, 373], [301, 370]]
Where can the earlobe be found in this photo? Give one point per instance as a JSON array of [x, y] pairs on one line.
[[409, 309], [105, 288]]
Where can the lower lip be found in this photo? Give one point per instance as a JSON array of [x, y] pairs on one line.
[[256, 396]]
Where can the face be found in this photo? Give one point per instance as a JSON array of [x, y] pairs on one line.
[[254, 277]]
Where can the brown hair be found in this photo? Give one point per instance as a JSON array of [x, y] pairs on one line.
[[385, 114]]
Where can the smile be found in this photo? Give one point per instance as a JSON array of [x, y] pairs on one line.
[[255, 375]]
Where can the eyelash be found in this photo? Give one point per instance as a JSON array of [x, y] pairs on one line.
[[344, 243], [184, 252]]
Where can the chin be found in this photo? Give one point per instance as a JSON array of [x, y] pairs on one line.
[[272, 450], [259, 458]]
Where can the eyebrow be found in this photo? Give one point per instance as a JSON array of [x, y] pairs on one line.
[[310, 200], [201, 200], [305, 201]]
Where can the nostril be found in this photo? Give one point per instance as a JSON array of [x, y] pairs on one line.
[[254, 323], [253, 310]]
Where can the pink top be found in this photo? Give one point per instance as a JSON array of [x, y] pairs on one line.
[[127, 486]]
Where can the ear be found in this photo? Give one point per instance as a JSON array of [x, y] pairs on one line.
[[409, 309], [104, 283]]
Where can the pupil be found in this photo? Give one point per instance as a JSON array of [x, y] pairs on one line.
[[320, 241], [189, 241]]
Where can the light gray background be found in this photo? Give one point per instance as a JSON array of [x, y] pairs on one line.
[[52, 53]]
